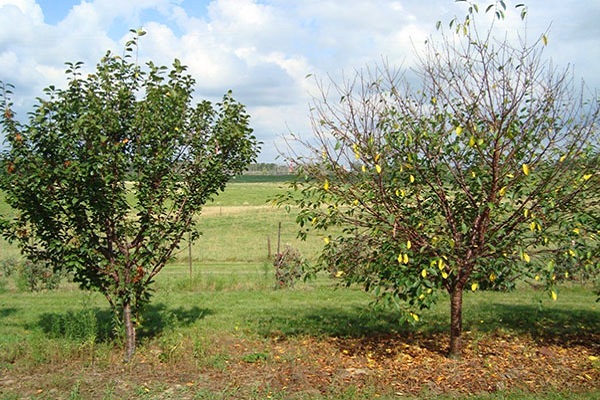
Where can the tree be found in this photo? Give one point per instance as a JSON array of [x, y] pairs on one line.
[[108, 175], [484, 171]]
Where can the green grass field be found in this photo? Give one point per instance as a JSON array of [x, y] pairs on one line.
[[224, 332]]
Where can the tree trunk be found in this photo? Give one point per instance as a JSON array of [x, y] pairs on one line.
[[129, 332], [456, 297]]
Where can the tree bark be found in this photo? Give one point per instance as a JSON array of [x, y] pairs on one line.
[[456, 297], [129, 332]]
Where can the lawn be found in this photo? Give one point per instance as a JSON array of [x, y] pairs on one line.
[[224, 332]]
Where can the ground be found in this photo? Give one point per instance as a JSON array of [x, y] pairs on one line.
[[308, 367]]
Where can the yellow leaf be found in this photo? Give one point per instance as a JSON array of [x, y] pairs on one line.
[[526, 169], [526, 213], [412, 178], [400, 257], [537, 278], [444, 275], [415, 317], [355, 202], [474, 286], [526, 257], [377, 157], [572, 253], [502, 191], [554, 297], [458, 130], [563, 158], [492, 277], [422, 296], [566, 274], [326, 185], [405, 258], [433, 100], [363, 168], [408, 244], [440, 264], [587, 176], [424, 273], [339, 274], [378, 168], [532, 226], [472, 141], [545, 39], [576, 230], [326, 240], [593, 358], [356, 153]]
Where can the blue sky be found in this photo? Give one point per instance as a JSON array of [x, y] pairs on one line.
[[263, 49]]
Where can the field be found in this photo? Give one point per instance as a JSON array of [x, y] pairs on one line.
[[218, 329]]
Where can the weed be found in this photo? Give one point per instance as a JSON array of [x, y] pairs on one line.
[[76, 391], [255, 357], [109, 391]]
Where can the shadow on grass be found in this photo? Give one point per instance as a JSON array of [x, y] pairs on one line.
[[331, 321], [5, 312], [379, 328], [548, 325], [159, 317], [551, 325], [94, 324]]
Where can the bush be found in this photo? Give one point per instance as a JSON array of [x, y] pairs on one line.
[[30, 276], [289, 267]]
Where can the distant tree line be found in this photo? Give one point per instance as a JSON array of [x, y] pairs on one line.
[[268, 169]]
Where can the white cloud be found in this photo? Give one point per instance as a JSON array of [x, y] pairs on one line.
[[262, 50], [21, 8]]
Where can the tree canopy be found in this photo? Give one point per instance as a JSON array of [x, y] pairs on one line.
[[108, 175], [483, 172]]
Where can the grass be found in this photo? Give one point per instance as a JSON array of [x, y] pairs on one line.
[[212, 343], [223, 331]]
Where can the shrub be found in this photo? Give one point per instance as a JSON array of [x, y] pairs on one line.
[[31, 276], [289, 267]]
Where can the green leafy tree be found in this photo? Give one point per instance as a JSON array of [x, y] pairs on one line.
[[484, 171], [108, 175]]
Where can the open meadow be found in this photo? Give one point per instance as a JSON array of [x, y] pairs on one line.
[[217, 328]]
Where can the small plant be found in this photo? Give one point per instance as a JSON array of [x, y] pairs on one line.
[[31, 276], [38, 276], [289, 267], [253, 358], [8, 267], [81, 326]]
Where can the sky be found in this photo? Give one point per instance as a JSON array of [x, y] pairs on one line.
[[263, 50]]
